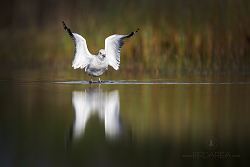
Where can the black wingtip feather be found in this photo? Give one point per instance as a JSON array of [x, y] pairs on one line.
[[67, 29], [132, 33]]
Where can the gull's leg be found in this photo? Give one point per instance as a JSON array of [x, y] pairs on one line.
[[99, 79], [91, 81]]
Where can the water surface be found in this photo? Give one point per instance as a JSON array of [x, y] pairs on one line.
[[71, 123]]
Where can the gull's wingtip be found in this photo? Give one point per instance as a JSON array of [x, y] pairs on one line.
[[67, 29], [132, 33], [64, 25]]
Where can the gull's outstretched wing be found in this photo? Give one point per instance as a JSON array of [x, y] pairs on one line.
[[113, 46], [82, 55]]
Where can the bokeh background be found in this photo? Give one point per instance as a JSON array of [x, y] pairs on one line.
[[177, 37]]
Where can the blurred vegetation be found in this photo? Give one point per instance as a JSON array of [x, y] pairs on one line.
[[177, 36]]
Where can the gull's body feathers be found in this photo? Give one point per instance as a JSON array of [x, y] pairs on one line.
[[96, 65]]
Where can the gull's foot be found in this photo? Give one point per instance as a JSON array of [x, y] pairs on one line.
[[91, 81]]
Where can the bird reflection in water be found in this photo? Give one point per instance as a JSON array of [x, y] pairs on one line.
[[94, 101]]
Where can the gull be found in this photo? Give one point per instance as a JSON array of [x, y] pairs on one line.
[[96, 65]]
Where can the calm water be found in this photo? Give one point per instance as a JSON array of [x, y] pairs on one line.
[[73, 124]]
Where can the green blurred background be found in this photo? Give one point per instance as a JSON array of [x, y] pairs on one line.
[[177, 37]]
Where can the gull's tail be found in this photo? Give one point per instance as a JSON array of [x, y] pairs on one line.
[[67, 29]]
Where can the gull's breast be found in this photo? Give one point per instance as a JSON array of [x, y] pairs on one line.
[[96, 68]]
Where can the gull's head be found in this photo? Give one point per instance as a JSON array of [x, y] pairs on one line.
[[102, 54]]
